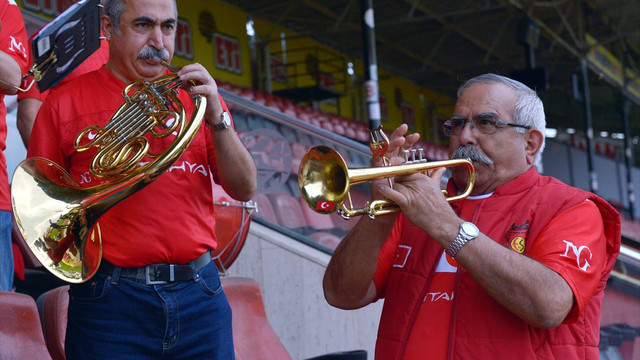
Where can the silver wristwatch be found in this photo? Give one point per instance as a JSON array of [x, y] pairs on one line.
[[468, 231], [224, 124]]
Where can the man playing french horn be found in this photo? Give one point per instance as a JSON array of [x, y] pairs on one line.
[[156, 294]]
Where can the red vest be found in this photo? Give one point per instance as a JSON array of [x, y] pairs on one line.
[[482, 328]]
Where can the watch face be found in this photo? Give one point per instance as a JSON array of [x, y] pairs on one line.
[[226, 120], [470, 229]]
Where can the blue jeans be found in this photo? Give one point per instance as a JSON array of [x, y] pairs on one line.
[[6, 251], [118, 318]]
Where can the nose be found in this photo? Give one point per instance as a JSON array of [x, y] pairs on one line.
[[156, 38], [467, 133]]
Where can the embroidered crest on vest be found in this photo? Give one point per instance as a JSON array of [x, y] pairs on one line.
[[516, 236]]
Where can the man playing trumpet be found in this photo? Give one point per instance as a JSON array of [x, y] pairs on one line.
[[516, 270], [127, 310]]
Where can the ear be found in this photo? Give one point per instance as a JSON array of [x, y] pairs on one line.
[[107, 27], [533, 142]]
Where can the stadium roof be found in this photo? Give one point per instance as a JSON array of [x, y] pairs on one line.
[[438, 44]]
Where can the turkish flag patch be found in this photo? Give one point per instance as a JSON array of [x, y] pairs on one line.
[[325, 205]]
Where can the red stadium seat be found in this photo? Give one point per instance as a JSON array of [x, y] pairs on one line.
[[265, 209], [20, 331], [247, 93], [362, 134], [253, 336], [52, 306], [350, 132], [297, 151], [287, 210], [315, 220], [327, 125]]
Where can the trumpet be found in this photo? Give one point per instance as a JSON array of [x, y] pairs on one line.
[[324, 181]]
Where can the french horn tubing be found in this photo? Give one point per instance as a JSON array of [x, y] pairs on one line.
[[58, 219], [324, 181]]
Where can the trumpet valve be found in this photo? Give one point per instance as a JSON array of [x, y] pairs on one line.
[[413, 159]]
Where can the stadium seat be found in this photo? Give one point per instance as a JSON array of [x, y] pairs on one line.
[[350, 132], [20, 331], [297, 151], [247, 93], [315, 220], [265, 209], [253, 336], [52, 306], [288, 211], [362, 134]]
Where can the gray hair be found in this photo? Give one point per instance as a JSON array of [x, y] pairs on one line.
[[528, 110], [114, 9]]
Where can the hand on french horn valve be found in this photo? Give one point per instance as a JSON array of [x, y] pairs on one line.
[[205, 85]]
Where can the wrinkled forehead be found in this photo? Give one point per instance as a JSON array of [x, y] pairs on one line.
[[156, 10], [481, 98]]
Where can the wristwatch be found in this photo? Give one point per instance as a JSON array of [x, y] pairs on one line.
[[222, 125], [468, 231]]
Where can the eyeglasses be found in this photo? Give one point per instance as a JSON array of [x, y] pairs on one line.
[[486, 124]]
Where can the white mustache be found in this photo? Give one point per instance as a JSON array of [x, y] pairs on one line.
[[472, 153]]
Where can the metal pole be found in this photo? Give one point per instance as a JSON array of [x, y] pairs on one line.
[[253, 54], [624, 112], [371, 65], [588, 124], [586, 99]]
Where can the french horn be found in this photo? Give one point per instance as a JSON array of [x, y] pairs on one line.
[[58, 219]]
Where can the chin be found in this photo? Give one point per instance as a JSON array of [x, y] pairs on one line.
[[460, 178], [151, 73]]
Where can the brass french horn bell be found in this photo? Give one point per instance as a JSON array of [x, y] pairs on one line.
[[59, 219], [324, 181]]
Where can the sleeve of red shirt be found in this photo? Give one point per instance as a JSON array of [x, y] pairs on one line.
[[45, 136], [573, 244], [13, 37]]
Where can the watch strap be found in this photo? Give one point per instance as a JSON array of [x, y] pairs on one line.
[[224, 124], [462, 238], [456, 245]]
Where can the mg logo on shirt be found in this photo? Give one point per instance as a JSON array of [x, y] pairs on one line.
[[581, 254], [17, 47]]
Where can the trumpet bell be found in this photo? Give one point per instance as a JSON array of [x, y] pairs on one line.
[[323, 179]]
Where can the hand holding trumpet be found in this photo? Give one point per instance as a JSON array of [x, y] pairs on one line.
[[418, 194], [324, 178]]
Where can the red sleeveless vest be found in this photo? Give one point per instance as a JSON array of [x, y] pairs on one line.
[[482, 328]]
